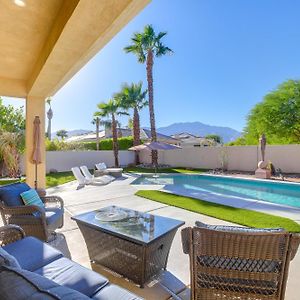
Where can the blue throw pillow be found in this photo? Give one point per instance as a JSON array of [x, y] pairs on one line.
[[10, 194], [31, 197]]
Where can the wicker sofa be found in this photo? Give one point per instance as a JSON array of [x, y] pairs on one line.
[[35, 221], [31, 269], [229, 262]]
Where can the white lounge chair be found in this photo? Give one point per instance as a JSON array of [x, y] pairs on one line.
[[102, 169], [82, 180], [79, 177], [89, 177]]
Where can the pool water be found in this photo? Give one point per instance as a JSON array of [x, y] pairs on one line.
[[274, 192]]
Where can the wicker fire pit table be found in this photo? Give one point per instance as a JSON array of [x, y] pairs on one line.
[[131, 243]]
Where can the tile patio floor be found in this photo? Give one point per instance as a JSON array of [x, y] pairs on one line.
[[121, 193]]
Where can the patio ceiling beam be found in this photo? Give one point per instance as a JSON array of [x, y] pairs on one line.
[[81, 29]]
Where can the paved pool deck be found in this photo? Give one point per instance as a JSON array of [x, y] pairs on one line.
[[121, 193]]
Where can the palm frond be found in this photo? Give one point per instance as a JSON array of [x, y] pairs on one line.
[[161, 50], [160, 35]]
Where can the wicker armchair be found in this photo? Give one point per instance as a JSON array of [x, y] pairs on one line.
[[33, 219], [10, 234], [238, 266]]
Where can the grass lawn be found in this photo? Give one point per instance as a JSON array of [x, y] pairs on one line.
[[164, 170], [8, 181], [231, 214], [53, 179]]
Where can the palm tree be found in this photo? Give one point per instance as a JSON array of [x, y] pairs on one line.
[[111, 109], [133, 97], [49, 116], [62, 133], [147, 45], [96, 121]]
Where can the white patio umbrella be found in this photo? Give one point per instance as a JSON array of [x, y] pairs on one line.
[[155, 146]]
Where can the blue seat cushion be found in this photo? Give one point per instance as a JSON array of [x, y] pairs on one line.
[[31, 253], [72, 275], [112, 291], [53, 217], [19, 284], [53, 214], [10, 194], [237, 229]]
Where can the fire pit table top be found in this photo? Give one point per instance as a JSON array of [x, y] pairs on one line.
[[135, 226]]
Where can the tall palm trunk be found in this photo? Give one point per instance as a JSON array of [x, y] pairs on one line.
[[97, 133], [115, 140], [49, 116], [149, 68], [136, 133]]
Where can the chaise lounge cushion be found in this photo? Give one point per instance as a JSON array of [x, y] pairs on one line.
[[19, 284], [32, 254], [114, 292], [72, 275], [10, 194]]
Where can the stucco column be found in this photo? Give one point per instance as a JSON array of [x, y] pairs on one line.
[[35, 106]]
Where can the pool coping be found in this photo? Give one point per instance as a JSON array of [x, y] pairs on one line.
[[222, 176]]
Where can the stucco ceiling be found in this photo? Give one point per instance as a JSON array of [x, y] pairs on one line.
[[43, 43], [24, 30]]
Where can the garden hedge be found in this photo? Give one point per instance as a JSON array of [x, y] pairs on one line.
[[124, 144]]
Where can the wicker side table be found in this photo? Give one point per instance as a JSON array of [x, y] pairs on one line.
[[134, 261], [126, 255]]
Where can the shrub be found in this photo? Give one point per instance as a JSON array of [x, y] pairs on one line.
[[10, 145], [106, 144], [57, 145]]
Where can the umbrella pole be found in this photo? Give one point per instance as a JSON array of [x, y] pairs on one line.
[[35, 181]]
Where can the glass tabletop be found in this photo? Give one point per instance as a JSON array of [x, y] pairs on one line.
[[129, 224]]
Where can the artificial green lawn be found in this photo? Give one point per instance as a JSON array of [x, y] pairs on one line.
[[231, 214], [53, 179], [163, 170]]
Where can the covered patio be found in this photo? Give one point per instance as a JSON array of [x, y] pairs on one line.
[[45, 43]]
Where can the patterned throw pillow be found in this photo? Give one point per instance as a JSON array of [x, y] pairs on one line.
[[31, 197]]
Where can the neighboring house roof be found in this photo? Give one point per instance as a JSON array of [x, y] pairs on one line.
[[183, 135], [146, 134], [188, 139], [86, 137]]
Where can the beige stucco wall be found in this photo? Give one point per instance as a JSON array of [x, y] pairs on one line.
[[242, 158], [65, 160]]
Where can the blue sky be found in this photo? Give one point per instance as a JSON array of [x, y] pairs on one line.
[[227, 56]]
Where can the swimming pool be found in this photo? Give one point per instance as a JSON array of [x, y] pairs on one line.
[[274, 192]]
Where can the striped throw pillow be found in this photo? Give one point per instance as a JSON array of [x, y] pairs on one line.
[[31, 197]]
